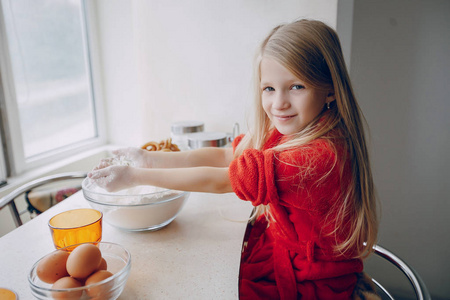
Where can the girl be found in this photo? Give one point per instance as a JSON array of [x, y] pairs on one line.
[[305, 166]]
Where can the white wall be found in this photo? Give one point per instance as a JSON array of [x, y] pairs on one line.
[[401, 73], [118, 71], [166, 61]]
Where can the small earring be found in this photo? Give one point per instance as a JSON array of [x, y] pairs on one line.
[[328, 105]]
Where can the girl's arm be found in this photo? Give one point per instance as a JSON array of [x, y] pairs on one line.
[[195, 179], [212, 157]]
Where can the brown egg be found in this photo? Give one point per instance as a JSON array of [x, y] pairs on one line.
[[103, 265], [97, 277], [83, 261], [53, 266], [66, 283]]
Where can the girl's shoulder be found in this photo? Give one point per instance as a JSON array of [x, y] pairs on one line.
[[321, 153], [316, 149], [237, 140], [319, 145], [272, 138]]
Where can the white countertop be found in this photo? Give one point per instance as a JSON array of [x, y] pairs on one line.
[[197, 256]]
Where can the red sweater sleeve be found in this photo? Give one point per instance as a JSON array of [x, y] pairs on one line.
[[252, 177]]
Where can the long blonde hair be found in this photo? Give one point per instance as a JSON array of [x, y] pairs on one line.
[[311, 51]]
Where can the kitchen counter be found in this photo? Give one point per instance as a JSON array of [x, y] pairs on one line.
[[196, 256]]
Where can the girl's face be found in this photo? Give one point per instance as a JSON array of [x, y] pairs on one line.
[[289, 103]]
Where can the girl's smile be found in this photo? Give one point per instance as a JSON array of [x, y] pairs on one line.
[[282, 118], [289, 103]]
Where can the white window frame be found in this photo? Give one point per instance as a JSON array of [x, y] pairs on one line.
[[15, 157]]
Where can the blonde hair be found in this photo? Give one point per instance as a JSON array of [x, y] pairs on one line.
[[311, 51]]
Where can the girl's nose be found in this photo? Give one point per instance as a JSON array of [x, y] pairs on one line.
[[281, 101]]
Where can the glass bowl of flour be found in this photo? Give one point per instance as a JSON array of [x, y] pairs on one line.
[[142, 208]]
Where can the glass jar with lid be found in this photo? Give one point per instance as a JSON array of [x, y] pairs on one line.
[[212, 139], [180, 131]]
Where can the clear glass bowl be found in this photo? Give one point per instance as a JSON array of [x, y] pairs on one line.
[[118, 260], [143, 208]]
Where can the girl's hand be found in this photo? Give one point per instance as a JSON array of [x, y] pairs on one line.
[[137, 157], [104, 163], [114, 178], [134, 157]]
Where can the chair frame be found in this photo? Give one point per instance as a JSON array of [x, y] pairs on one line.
[[414, 278], [9, 199]]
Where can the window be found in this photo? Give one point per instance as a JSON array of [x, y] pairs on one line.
[[49, 108]]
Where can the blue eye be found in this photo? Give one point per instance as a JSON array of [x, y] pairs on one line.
[[297, 87], [269, 89]]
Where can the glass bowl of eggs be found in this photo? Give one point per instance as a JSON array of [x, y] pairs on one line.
[[141, 208], [89, 271]]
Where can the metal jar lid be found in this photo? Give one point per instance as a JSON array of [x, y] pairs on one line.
[[183, 127], [207, 139]]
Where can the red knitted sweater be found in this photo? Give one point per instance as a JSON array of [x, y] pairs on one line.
[[293, 257]]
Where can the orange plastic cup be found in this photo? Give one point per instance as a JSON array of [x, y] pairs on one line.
[[7, 294], [76, 226]]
